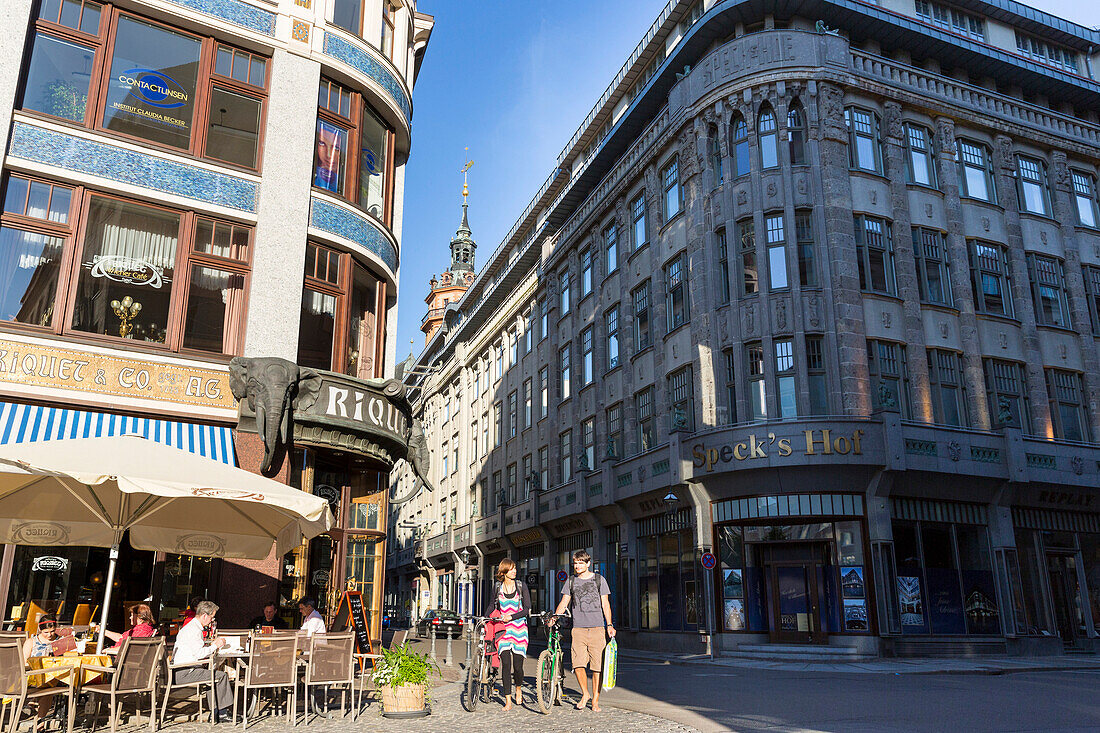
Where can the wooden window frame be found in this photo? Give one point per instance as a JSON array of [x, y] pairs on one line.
[[74, 235], [353, 125], [103, 44]]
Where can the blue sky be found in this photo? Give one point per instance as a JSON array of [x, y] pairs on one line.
[[513, 80]]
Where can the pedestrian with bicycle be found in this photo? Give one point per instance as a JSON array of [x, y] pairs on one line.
[[587, 596], [512, 601]]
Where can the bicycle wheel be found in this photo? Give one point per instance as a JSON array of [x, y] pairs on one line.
[[473, 684], [545, 684]]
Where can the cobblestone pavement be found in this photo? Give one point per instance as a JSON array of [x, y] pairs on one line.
[[447, 715]]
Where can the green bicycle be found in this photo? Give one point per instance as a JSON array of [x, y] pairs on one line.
[[550, 675]]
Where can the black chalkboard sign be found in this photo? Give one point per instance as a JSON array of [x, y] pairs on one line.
[[350, 614]]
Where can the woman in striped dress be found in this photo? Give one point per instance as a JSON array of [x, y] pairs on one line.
[[513, 601]]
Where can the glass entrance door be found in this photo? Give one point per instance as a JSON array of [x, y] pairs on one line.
[[1065, 594], [792, 577]]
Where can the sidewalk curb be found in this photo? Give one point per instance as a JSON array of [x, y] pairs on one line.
[[634, 656]]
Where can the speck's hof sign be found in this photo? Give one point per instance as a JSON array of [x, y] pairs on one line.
[[764, 446], [43, 365]]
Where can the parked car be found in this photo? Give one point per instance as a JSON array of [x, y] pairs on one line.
[[444, 622]]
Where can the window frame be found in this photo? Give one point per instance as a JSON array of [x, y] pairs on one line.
[[588, 357], [775, 243], [931, 256], [1003, 275], [879, 361], [1091, 274], [638, 219], [1085, 198], [646, 411], [681, 393], [610, 239], [925, 152], [1059, 382], [1048, 272], [642, 320], [999, 375], [797, 133], [767, 137], [102, 45], [945, 377], [817, 374], [671, 189], [756, 387], [1031, 174], [966, 158], [613, 345], [739, 146], [722, 249], [73, 234], [865, 248], [353, 124], [676, 288], [872, 133]]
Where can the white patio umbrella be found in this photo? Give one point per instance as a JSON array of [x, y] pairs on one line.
[[90, 491]]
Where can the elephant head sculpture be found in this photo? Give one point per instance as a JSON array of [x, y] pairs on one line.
[[271, 387]]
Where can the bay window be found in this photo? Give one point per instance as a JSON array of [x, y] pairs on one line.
[[354, 151], [342, 325], [98, 67], [129, 271]]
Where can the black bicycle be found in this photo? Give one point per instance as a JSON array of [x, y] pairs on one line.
[[481, 675]]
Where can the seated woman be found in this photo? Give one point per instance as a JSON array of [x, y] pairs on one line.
[[41, 645], [142, 625]]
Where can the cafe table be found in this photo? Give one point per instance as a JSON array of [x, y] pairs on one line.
[[71, 659]]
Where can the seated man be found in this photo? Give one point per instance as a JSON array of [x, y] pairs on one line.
[[269, 618], [312, 623], [189, 647]]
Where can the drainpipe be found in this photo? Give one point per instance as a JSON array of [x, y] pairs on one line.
[[1088, 62]]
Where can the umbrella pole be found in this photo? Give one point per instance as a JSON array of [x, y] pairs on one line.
[[107, 598]]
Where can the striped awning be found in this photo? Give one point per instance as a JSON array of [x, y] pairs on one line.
[[32, 423]]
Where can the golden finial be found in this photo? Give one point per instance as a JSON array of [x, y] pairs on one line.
[[465, 175]]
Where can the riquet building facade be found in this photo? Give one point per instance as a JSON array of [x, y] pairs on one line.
[[186, 184], [821, 302]]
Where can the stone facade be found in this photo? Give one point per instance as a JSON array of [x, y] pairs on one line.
[[849, 382]]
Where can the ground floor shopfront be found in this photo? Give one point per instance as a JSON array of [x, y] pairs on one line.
[[886, 538], [344, 462]]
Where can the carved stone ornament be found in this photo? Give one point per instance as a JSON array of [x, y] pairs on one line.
[[725, 327], [928, 210], [893, 121], [802, 187], [781, 315], [1078, 465], [271, 387], [679, 419], [1002, 339], [944, 330], [1004, 152], [750, 325], [742, 197], [873, 195], [611, 454], [641, 472], [1043, 236], [832, 103], [1061, 170], [886, 398], [985, 223], [772, 190], [1062, 351], [945, 135], [887, 319], [814, 315], [1004, 411], [954, 450]]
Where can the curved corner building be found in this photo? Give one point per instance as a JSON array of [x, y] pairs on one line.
[[814, 288], [187, 182]]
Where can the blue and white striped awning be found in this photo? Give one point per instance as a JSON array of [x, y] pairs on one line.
[[33, 423]]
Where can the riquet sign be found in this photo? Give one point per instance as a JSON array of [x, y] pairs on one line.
[[755, 447]]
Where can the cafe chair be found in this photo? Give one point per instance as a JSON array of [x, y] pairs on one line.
[[195, 688], [82, 615], [135, 673], [331, 664], [16, 688], [272, 665]]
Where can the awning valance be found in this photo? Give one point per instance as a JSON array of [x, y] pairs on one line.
[[33, 423]]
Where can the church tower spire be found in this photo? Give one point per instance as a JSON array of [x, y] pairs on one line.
[[449, 286]]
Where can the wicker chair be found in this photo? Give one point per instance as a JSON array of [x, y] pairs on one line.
[[135, 674], [272, 665], [15, 685], [331, 664]]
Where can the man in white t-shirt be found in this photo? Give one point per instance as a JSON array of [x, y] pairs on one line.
[[312, 623]]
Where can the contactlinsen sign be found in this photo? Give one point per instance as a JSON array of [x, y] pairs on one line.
[[154, 87], [817, 443]]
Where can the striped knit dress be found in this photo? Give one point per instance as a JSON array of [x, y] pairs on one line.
[[515, 631]]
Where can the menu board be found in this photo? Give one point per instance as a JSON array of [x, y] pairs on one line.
[[350, 614]]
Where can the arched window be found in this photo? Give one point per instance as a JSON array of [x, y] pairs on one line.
[[714, 152], [769, 139], [739, 145], [796, 133]]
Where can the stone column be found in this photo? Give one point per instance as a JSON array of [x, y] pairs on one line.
[[962, 294], [841, 248], [274, 304], [14, 15], [905, 266], [700, 274], [1004, 169], [1064, 213]]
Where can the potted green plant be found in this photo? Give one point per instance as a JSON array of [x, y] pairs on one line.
[[402, 677]]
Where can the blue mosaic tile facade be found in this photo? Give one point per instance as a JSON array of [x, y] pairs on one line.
[[80, 155], [358, 228], [357, 58], [235, 12]]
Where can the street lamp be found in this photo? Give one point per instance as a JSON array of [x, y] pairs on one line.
[[671, 502]]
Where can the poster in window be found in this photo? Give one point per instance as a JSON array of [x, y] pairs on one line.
[[911, 603], [945, 606], [332, 143], [851, 581], [855, 614], [734, 615], [732, 586]]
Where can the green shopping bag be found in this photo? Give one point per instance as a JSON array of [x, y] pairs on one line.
[[610, 664]]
